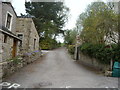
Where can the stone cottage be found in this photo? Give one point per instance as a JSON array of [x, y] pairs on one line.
[[8, 39], [17, 35], [27, 32]]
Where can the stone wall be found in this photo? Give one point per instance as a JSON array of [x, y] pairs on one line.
[[0, 40], [0, 13], [10, 66], [92, 62], [33, 36], [23, 28], [27, 28], [0, 54], [7, 48], [1, 47]]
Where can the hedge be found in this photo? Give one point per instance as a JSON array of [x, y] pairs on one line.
[[103, 53], [48, 44], [71, 49]]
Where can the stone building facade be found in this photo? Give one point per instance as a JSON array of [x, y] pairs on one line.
[[28, 33], [17, 35], [8, 39]]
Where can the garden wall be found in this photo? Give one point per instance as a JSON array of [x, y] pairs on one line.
[[92, 62], [11, 66]]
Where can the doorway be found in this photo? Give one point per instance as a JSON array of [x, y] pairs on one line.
[[14, 48]]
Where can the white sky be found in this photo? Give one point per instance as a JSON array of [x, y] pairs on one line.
[[76, 8]]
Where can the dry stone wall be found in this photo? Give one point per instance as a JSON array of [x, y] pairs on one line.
[[13, 65]]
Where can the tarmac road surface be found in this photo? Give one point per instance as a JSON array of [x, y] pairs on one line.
[[57, 69]]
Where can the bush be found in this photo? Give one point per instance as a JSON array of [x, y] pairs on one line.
[[71, 49], [101, 52], [48, 44], [116, 53], [15, 60], [45, 45]]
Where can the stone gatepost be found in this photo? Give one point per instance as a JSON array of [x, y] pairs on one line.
[[77, 49]]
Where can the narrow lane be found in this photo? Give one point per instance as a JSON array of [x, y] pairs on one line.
[[58, 70]]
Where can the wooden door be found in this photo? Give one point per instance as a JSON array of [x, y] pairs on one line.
[[14, 48]]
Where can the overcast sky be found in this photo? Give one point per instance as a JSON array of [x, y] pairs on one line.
[[76, 8]]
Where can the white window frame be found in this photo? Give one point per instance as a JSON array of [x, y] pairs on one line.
[[10, 21]]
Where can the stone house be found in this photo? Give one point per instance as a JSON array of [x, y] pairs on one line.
[[27, 32], [9, 42], [17, 35]]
